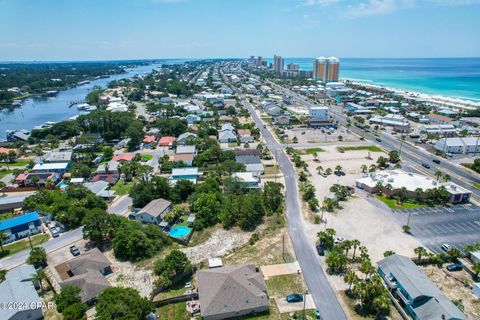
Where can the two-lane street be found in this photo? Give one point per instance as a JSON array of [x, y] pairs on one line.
[[317, 283]]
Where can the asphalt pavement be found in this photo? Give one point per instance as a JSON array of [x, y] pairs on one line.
[[317, 283], [457, 225], [51, 245]]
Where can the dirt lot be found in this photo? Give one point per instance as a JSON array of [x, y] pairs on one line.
[[361, 217], [310, 135], [453, 285]]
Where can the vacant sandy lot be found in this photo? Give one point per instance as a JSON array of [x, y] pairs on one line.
[[361, 217], [311, 135]]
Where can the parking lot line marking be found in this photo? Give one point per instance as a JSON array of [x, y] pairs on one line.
[[459, 226], [467, 226], [449, 228], [474, 225]]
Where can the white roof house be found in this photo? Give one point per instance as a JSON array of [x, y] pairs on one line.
[[53, 167]]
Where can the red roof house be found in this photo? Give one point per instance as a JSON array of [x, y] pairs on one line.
[[166, 141], [148, 139], [124, 157]]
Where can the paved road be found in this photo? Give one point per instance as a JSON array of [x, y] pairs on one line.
[[317, 283], [410, 153], [120, 206], [455, 225], [53, 244]]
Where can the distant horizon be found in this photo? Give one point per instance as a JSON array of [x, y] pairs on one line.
[[231, 58]]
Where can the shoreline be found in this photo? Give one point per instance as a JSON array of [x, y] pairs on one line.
[[448, 101]]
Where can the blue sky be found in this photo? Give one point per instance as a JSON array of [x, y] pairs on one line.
[[135, 29]]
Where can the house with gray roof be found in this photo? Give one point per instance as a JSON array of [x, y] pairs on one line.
[[226, 136], [231, 291], [182, 139], [422, 299], [87, 272], [154, 212], [18, 287]]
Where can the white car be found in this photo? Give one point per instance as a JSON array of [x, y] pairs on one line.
[[338, 240], [446, 247]]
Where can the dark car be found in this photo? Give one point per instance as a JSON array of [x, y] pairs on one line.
[[294, 298], [74, 251], [454, 267], [436, 161], [320, 250], [378, 140], [426, 165]]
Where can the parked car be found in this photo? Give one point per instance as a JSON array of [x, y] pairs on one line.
[[454, 267], [338, 240], [446, 247], [294, 298], [320, 250], [55, 232], [317, 314], [74, 251], [426, 165]]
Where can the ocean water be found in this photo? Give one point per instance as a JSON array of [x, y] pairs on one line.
[[451, 77]]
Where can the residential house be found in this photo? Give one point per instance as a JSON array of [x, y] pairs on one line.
[[438, 119], [227, 136], [272, 109], [111, 166], [185, 153], [227, 127], [57, 156], [149, 139], [282, 119], [6, 152], [87, 272], [20, 227], [190, 173], [255, 168], [154, 211], [422, 299], [36, 179], [248, 179], [20, 288], [166, 142], [246, 156], [184, 137], [124, 157], [192, 119], [245, 135], [111, 178], [8, 204], [231, 291], [60, 167], [101, 189]]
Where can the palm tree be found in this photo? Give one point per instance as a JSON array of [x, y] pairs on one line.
[[319, 169], [315, 156], [388, 189], [355, 244], [350, 278], [328, 171], [418, 194], [447, 177], [420, 251], [364, 168], [438, 174], [372, 168], [3, 237], [379, 187], [367, 268], [39, 276], [338, 168], [347, 245]]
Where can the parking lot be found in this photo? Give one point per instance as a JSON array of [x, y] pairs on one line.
[[457, 225]]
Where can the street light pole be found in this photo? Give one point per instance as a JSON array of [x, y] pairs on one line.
[[304, 301]]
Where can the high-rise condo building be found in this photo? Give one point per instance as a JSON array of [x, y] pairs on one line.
[[277, 64], [326, 69], [293, 67]]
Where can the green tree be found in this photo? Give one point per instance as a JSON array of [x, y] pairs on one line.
[[68, 295], [39, 276], [122, 303], [99, 226], [438, 174], [273, 196], [135, 133], [420, 252], [76, 311], [207, 207], [393, 156], [3, 237], [336, 261], [172, 268], [3, 273], [350, 278], [388, 253], [37, 257]]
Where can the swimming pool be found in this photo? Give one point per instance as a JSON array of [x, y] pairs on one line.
[[179, 232], [62, 185]]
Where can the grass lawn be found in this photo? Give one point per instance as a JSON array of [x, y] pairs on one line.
[[19, 163], [176, 311], [314, 150], [392, 203], [147, 157], [281, 286], [4, 173], [272, 170], [360, 148], [5, 216], [477, 185], [122, 188], [20, 245], [177, 290]]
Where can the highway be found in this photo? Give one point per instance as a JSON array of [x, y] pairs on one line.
[[409, 153], [317, 283]]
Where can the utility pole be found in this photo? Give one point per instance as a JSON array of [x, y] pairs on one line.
[[283, 246], [30, 240], [304, 301]]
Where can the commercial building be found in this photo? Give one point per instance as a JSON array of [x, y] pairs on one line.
[[278, 64], [422, 299], [19, 287], [231, 291], [19, 227], [458, 145], [438, 119], [399, 179], [444, 130], [397, 122], [358, 109], [326, 69], [319, 117]]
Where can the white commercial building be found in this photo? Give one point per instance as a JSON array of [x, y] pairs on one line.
[[445, 130], [318, 113], [458, 145], [397, 122]]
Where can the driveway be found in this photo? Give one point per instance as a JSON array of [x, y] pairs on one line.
[[120, 206], [286, 307]]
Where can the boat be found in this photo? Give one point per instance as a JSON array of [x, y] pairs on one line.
[[83, 106]]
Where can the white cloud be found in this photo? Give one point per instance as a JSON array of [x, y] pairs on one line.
[[377, 7]]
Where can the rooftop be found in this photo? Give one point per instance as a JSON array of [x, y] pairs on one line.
[[19, 220], [156, 207]]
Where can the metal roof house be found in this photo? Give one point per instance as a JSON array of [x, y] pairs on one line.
[[21, 226], [18, 287], [187, 173], [154, 211], [231, 291], [422, 299]]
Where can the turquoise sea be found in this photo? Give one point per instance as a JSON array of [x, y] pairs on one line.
[[451, 77]]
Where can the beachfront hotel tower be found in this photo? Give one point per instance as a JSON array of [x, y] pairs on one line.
[[326, 69], [278, 64]]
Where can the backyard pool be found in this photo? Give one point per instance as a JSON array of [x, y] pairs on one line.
[[62, 185], [179, 232]]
